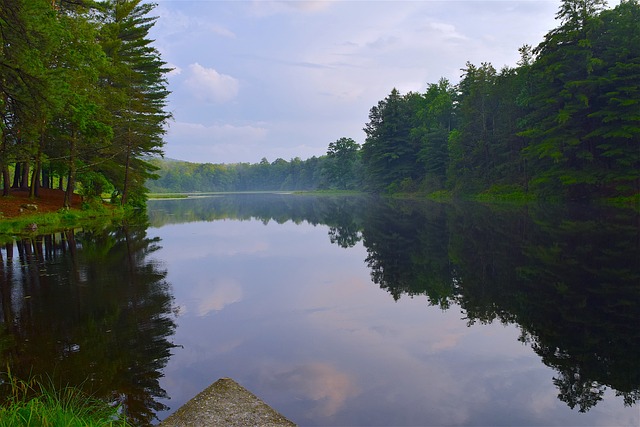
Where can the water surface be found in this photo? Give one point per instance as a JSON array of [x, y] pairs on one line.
[[342, 310]]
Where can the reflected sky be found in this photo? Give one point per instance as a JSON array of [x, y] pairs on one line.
[[298, 321]]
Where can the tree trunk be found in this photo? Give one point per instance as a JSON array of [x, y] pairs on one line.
[[127, 165], [35, 178], [46, 178], [4, 167], [17, 173], [6, 180], [24, 180], [72, 172], [35, 181]]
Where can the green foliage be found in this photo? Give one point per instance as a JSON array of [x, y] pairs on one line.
[[83, 94], [390, 152], [84, 98], [563, 124], [185, 177], [137, 100], [504, 193], [584, 137], [342, 164]]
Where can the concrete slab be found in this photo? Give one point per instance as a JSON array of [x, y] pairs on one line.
[[226, 403]]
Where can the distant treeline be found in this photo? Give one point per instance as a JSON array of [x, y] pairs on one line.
[[180, 176], [564, 123]]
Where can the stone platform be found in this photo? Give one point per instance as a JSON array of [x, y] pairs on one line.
[[226, 403]]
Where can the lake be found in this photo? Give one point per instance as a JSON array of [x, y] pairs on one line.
[[340, 310]]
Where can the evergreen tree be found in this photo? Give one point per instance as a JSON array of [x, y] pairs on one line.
[[26, 43], [435, 120], [472, 160], [138, 86], [389, 153], [616, 105], [568, 147], [81, 124]]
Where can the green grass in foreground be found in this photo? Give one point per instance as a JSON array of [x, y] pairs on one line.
[[33, 404]]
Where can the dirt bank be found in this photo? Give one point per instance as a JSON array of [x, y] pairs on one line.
[[49, 200]]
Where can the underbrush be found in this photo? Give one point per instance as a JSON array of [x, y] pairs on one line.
[[504, 193]]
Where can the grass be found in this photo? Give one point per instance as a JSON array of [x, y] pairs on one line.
[[45, 223], [504, 193], [327, 192], [167, 196], [31, 403]]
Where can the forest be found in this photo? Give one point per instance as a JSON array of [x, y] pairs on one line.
[[84, 92], [563, 124], [82, 98]]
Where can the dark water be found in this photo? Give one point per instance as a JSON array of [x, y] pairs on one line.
[[340, 310]]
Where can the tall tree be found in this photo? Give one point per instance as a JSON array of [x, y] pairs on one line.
[[80, 123], [26, 44], [564, 122], [138, 87], [616, 105], [389, 154], [342, 162], [472, 160], [436, 119]]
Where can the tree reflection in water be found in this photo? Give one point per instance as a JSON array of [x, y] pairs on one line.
[[87, 309], [567, 275], [91, 310]]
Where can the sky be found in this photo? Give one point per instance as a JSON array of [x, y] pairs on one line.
[[284, 79]]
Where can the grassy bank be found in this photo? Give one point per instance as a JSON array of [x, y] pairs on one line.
[[509, 195], [31, 403], [155, 196], [44, 223]]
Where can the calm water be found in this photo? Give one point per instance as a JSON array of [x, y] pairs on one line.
[[340, 311]]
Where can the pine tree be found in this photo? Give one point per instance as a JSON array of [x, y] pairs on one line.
[[616, 107], [470, 169], [564, 159], [138, 87], [389, 154], [436, 120]]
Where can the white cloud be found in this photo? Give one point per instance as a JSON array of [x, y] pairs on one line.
[[207, 84]]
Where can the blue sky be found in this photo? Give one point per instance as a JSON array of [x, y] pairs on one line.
[[283, 79]]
